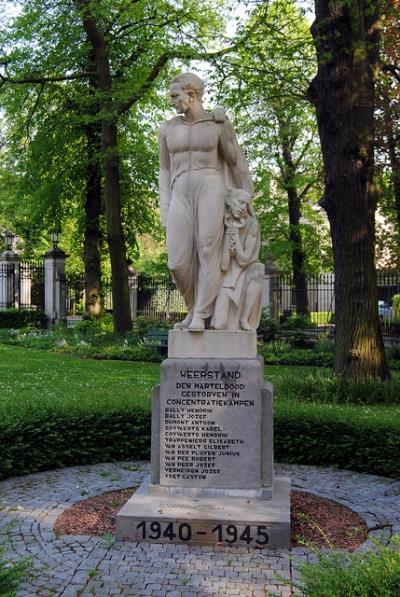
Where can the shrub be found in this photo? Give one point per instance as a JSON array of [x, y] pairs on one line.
[[142, 325], [12, 574], [88, 341], [95, 325], [21, 318], [331, 389], [283, 353], [58, 440], [296, 322], [393, 352], [267, 328], [355, 438], [374, 573]]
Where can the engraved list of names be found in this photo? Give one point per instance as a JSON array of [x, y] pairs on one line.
[[210, 427]]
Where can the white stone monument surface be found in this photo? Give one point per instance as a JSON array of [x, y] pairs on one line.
[[212, 476]]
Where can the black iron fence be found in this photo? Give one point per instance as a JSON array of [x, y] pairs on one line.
[[22, 285], [158, 298], [320, 294], [31, 285], [321, 298]]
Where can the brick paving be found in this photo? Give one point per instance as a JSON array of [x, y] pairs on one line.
[[72, 566]]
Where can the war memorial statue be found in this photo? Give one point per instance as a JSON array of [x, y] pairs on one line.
[[212, 470], [202, 168]]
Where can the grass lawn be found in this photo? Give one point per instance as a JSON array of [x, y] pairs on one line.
[[58, 410], [36, 380]]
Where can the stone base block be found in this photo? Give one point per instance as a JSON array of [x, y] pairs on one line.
[[212, 344], [258, 493], [224, 521]]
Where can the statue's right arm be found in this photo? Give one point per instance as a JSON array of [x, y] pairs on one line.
[[164, 177]]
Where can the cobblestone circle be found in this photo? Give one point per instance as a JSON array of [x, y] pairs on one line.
[[72, 566]]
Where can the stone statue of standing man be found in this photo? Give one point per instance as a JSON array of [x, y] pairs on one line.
[[200, 159]]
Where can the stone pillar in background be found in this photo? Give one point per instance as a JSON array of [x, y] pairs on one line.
[[9, 279], [270, 299], [133, 288], [54, 286]]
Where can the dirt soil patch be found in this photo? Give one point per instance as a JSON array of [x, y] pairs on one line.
[[314, 520]]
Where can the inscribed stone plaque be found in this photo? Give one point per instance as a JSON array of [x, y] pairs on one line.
[[210, 431]]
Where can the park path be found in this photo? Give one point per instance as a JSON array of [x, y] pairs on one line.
[[72, 566]]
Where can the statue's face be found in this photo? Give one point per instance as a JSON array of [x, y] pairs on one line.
[[181, 98], [239, 207]]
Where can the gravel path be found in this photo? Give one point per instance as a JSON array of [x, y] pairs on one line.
[[80, 565]]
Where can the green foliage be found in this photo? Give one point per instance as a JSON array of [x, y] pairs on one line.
[[95, 326], [331, 389], [396, 307], [393, 352], [88, 339], [143, 324], [59, 411], [296, 322], [52, 109], [374, 573], [364, 439], [20, 318], [265, 83], [267, 328], [12, 573], [282, 352]]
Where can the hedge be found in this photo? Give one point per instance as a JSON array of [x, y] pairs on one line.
[[304, 434], [327, 437], [45, 443], [20, 318]]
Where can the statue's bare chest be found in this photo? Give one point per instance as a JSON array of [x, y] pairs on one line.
[[201, 136]]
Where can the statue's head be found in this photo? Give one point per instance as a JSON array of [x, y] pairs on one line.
[[185, 89], [239, 203]]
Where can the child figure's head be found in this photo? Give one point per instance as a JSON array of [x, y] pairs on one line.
[[238, 201]]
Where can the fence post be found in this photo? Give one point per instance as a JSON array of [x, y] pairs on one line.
[[133, 290], [54, 285], [9, 279], [270, 300]]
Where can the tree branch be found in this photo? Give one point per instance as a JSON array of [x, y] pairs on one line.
[[42, 80], [155, 71], [392, 69], [306, 189]]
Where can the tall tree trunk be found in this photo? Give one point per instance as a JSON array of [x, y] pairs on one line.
[[294, 203], [115, 237], [346, 38], [92, 232]]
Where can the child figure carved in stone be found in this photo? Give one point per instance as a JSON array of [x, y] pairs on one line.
[[238, 303]]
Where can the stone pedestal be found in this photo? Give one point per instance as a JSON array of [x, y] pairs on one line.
[[212, 450]]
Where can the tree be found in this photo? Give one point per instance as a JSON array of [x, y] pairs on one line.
[[130, 45], [346, 36], [388, 115], [266, 80]]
